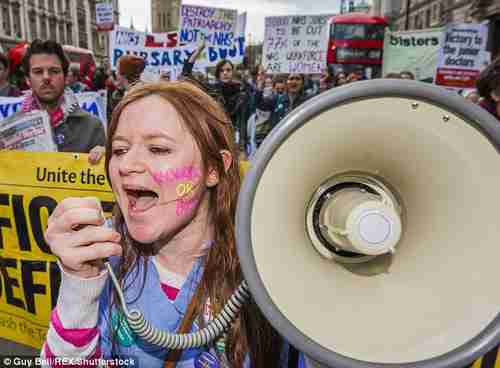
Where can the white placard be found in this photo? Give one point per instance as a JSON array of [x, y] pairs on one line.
[[462, 55], [296, 44], [222, 30], [104, 16], [160, 50], [217, 26]]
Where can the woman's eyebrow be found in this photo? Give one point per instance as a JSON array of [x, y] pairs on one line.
[[159, 135], [148, 137], [119, 138]]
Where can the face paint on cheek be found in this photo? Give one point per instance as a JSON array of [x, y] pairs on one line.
[[187, 173], [183, 189], [184, 181], [185, 205]]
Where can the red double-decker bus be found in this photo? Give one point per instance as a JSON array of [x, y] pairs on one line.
[[356, 43]]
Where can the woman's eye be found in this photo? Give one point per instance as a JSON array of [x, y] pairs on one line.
[[160, 150], [118, 151]]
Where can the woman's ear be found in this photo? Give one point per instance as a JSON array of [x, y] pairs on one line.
[[213, 176]]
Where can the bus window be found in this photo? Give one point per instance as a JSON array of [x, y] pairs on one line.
[[358, 32], [349, 31], [375, 32]]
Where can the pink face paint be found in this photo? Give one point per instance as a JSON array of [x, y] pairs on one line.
[[172, 175], [184, 206]]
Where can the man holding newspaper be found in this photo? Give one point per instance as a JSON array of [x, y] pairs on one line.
[[50, 118]]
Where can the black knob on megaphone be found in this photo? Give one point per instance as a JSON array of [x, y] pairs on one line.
[[367, 227]]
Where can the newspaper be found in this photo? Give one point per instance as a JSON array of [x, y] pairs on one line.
[[27, 132]]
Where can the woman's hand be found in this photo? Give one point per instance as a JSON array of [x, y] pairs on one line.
[[96, 154], [81, 248], [201, 46]]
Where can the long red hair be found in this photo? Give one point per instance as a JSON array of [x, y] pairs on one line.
[[212, 130]]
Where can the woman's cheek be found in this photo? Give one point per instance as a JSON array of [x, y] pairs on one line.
[[188, 197], [181, 184], [186, 206]]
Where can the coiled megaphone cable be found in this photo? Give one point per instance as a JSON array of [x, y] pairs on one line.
[[219, 325]]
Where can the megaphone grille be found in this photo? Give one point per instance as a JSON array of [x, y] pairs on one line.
[[437, 292]]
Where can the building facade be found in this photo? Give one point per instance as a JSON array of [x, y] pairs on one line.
[[388, 8], [421, 14], [165, 15], [489, 10], [69, 22]]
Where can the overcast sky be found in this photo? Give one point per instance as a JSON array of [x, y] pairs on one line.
[[140, 11]]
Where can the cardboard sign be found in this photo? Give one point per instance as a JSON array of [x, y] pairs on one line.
[[222, 30], [296, 44], [216, 26]]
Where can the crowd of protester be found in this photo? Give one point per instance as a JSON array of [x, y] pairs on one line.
[[200, 116], [254, 100]]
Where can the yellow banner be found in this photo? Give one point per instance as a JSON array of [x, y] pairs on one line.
[[31, 185]]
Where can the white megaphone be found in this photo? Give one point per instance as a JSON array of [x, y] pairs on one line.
[[368, 227]]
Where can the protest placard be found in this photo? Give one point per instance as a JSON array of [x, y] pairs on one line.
[[160, 57], [104, 16], [462, 55], [414, 51], [92, 102], [295, 44], [29, 281], [216, 26], [222, 30], [160, 51]]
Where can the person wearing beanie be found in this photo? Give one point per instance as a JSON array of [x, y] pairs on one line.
[[129, 70]]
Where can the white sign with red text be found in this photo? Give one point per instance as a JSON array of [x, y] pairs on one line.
[[462, 55]]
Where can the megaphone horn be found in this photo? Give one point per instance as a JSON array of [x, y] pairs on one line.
[[367, 227]]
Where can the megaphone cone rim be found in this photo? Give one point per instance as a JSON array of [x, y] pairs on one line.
[[470, 113]]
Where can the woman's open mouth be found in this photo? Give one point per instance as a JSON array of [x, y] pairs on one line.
[[141, 200]]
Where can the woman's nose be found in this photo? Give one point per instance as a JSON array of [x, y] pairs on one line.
[[132, 162]]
